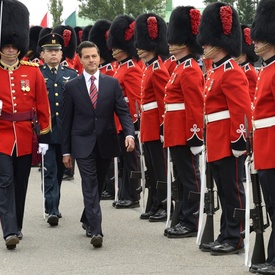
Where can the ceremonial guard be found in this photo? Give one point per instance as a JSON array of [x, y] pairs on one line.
[[247, 59], [128, 73], [151, 43], [183, 119], [23, 90], [226, 104], [55, 77], [263, 35]]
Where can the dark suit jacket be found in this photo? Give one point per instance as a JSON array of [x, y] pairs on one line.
[[83, 126], [55, 87]]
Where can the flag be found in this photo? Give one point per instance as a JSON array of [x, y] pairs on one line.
[[71, 20], [44, 22]]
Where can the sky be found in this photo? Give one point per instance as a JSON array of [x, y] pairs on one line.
[[38, 8]]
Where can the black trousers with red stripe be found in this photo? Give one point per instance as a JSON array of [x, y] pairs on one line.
[[228, 176]]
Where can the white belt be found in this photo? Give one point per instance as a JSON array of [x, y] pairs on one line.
[[126, 99], [264, 122], [174, 107], [149, 106], [217, 116]]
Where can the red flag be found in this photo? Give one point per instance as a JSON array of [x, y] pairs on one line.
[[44, 22]]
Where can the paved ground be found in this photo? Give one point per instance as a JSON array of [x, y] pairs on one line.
[[131, 246]]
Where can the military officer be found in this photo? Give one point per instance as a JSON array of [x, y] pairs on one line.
[[55, 77]]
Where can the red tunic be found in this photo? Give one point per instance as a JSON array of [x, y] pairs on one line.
[[107, 69], [226, 89], [154, 80], [170, 64], [77, 65], [251, 75], [129, 76], [22, 90], [264, 104], [186, 84]]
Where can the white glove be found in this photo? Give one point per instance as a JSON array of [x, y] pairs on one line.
[[196, 150], [238, 153], [43, 148]]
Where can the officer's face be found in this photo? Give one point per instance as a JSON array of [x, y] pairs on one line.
[[52, 57], [90, 59]]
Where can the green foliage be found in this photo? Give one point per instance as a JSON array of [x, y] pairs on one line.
[[56, 9], [231, 2], [246, 10], [109, 9]]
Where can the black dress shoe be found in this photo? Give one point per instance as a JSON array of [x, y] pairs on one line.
[[53, 220], [268, 269], [146, 215], [115, 202], [225, 249], [160, 216], [254, 268], [89, 232], [206, 247], [97, 241], [169, 228], [127, 204], [181, 232], [11, 241], [59, 215], [68, 177], [107, 196], [19, 235]]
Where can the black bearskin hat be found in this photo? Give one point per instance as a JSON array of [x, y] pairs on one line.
[[34, 37], [78, 32], [263, 27], [99, 35], [247, 45], [150, 34], [121, 35], [183, 28], [220, 27], [69, 36], [15, 25], [85, 33]]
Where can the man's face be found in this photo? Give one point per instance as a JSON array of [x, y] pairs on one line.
[[10, 52], [52, 57], [90, 59]]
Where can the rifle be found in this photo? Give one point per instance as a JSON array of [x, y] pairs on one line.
[[210, 208], [256, 214]]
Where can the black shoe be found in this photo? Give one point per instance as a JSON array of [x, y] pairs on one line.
[[89, 232], [254, 268], [115, 202], [160, 216], [146, 215], [169, 228], [206, 247], [53, 220], [225, 249], [59, 215], [127, 204], [68, 177], [181, 232], [107, 196], [11, 241], [19, 235], [97, 241], [269, 269]]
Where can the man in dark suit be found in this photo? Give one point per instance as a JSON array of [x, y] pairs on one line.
[[89, 133], [55, 77]]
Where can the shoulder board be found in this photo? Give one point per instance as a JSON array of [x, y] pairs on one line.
[[67, 68], [109, 67], [156, 65], [246, 68], [173, 58], [130, 64], [187, 63], [228, 66], [28, 63]]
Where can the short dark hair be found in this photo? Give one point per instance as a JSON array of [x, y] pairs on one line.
[[87, 44]]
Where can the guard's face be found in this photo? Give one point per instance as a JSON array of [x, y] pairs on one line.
[[90, 59], [10, 53], [52, 57]]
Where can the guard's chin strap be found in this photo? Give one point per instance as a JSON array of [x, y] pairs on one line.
[[263, 48], [213, 50], [8, 56], [175, 48]]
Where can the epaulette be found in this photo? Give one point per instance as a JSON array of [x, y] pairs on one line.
[[109, 67], [130, 64], [228, 65], [246, 67], [67, 68], [173, 58], [156, 65], [28, 63], [187, 63]]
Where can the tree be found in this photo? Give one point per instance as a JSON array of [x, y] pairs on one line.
[[246, 10], [56, 9], [102, 9], [231, 2]]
